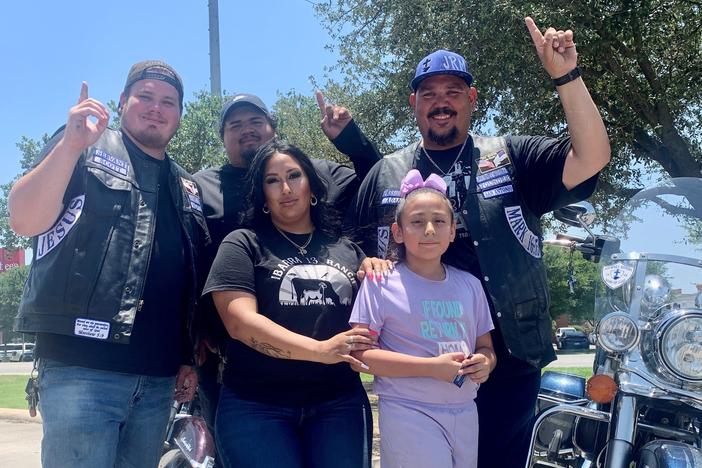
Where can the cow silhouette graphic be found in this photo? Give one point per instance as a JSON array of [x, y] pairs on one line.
[[314, 291]]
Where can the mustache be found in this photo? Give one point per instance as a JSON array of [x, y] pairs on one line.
[[442, 110]]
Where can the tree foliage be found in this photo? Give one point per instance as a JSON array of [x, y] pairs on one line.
[[11, 285], [579, 304], [641, 60]]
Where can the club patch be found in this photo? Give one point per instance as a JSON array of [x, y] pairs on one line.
[[91, 328], [390, 197], [383, 240], [50, 239], [521, 231], [502, 171], [493, 161], [502, 180], [110, 162], [496, 192], [616, 274], [190, 188]]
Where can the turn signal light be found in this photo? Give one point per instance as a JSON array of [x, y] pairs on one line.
[[601, 388]]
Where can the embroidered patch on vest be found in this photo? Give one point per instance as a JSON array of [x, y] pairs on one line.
[[521, 231], [383, 240], [110, 162], [91, 328], [50, 239], [502, 180], [493, 161], [492, 174], [190, 188], [390, 197], [498, 191]]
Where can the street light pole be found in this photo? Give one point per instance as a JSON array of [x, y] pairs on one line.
[[215, 70]]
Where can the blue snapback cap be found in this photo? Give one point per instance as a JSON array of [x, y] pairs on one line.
[[441, 62]]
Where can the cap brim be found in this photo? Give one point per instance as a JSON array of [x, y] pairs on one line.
[[467, 77]]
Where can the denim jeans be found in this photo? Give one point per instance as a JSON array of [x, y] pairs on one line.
[[95, 418], [332, 434]]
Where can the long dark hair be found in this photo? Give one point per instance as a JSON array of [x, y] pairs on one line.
[[323, 217]]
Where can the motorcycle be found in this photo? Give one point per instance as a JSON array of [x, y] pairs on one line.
[[643, 405], [189, 443]]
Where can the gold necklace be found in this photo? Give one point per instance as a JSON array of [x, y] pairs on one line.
[[301, 248], [454, 161]]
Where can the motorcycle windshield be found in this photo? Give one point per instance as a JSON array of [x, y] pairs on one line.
[[659, 252]]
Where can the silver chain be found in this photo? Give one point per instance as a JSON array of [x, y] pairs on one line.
[[301, 248], [458, 156]]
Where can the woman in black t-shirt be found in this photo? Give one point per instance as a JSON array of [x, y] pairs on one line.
[[284, 292]]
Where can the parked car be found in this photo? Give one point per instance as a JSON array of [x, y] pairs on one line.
[[570, 338]]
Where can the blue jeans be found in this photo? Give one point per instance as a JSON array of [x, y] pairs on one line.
[[95, 418], [332, 434]]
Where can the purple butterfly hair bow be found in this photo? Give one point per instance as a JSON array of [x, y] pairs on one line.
[[413, 181]]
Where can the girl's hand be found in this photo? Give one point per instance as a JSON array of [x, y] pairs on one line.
[[476, 367], [338, 348], [448, 365]]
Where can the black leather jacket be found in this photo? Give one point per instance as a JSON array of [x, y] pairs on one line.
[[88, 271], [505, 233]]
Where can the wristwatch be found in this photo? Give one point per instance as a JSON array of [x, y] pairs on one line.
[[567, 78]]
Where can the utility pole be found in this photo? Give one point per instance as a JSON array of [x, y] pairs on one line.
[[215, 69]]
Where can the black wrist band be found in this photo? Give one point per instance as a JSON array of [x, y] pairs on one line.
[[567, 78]]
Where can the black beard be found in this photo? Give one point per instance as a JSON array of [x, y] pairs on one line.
[[248, 155], [444, 140]]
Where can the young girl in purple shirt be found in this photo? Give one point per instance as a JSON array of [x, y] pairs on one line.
[[434, 326]]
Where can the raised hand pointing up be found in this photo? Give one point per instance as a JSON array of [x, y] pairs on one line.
[[81, 131], [334, 118], [555, 48]]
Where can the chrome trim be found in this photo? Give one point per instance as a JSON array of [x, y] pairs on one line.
[[581, 411]]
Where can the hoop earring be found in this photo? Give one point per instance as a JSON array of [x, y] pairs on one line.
[[313, 200], [265, 209]]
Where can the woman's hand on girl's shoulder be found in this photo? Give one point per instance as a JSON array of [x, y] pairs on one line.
[[374, 268]]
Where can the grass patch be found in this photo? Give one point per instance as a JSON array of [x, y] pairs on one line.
[[581, 371], [12, 391]]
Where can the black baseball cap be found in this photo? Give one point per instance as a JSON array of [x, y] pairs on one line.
[[155, 70], [239, 100]]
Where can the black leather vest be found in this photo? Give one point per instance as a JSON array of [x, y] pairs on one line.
[[88, 271]]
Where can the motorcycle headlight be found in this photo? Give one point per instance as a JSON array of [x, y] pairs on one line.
[[617, 332], [681, 346]]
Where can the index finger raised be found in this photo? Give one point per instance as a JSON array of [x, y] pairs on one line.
[[320, 102], [83, 92], [534, 31]]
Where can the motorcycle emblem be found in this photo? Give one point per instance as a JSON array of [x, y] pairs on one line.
[[616, 274]]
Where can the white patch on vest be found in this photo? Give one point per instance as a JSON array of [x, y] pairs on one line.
[[529, 240], [107, 160], [92, 328], [496, 192], [383, 239], [50, 239]]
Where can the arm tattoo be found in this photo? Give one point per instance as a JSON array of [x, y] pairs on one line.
[[269, 350]]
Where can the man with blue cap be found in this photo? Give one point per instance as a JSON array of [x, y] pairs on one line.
[[499, 187]]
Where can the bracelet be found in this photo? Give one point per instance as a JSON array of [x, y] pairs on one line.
[[567, 78]]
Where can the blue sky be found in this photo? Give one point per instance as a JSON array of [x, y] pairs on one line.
[[49, 47]]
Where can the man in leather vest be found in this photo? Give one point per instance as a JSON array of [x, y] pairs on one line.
[[116, 226], [245, 125], [499, 187]]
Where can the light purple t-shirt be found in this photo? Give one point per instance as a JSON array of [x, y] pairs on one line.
[[426, 318]]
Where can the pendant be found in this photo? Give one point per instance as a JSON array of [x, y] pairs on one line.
[[303, 251]]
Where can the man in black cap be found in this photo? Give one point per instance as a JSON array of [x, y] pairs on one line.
[[245, 125], [116, 226], [499, 187]]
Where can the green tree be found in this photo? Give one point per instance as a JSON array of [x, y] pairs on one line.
[[641, 60], [581, 302], [11, 285]]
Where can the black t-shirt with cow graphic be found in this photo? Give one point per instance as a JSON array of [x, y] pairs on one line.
[[309, 294]]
